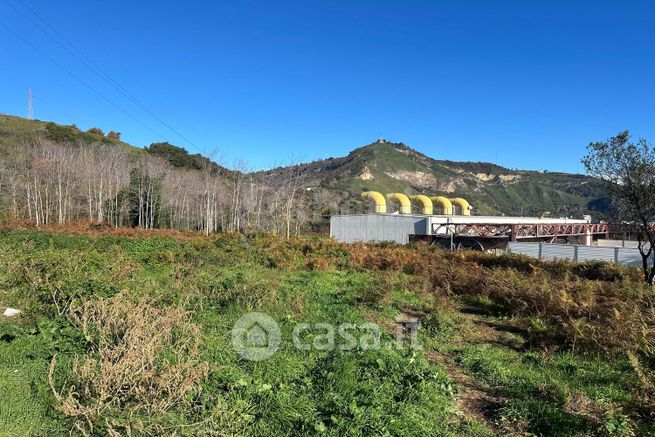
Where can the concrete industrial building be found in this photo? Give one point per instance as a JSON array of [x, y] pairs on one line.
[[460, 230]]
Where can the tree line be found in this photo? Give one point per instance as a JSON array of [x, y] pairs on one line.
[[55, 182]]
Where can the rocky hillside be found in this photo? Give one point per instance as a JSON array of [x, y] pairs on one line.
[[393, 167]]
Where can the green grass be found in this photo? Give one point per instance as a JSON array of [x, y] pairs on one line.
[[27, 406], [387, 391], [344, 393], [541, 389]]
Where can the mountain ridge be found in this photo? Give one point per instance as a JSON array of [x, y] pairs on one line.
[[334, 184], [492, 189]]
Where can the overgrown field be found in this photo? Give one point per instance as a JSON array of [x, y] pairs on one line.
[[132, 335]]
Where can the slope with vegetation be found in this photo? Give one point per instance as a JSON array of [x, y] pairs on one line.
[[393, 167], [55, 174], [126, 334], [15, 131]]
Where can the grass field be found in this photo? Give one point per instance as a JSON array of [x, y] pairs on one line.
[[131, 334]]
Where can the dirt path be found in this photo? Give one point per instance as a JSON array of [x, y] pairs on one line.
[[473, 399]]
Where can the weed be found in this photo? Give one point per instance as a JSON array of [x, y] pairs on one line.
[[142, 363]]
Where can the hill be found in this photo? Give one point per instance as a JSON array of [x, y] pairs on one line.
[[55, 173], [491, 189], [17, 130], [51, 173]]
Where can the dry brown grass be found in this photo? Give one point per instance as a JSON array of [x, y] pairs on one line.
[[142, 362], [590, 306], [88, 228]]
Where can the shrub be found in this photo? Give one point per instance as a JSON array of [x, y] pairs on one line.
[[49, 281], [604, 271], [305, 254], [591, 306], [142, 362]]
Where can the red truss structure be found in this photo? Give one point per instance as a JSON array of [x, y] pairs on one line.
[[516, 232]]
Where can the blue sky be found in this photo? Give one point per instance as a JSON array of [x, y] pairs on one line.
[[525, 84]]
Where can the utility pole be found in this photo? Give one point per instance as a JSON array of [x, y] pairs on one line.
[[30, 109]]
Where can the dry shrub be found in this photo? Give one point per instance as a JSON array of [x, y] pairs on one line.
[[599, 413], [142, 362], [592, 306], [90, 228], [591, 315], [304, 253], [372, 257], [319, 263]]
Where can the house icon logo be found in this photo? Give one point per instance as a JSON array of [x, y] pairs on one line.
[[256, 336]]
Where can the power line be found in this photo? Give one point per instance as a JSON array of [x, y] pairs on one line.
[[80, 56], [77, 78]]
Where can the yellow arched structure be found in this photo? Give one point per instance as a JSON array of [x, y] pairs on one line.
[[445, 203], [425, 202], [402, 200], [378, 198], [463, 205]]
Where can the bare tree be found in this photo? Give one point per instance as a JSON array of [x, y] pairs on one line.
[[292, 183], [56, 182]]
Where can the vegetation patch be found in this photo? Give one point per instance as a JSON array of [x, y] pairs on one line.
[[131, 334]]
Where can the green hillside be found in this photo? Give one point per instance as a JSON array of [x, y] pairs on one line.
[[16, 130], [491, 189], [334, 184]]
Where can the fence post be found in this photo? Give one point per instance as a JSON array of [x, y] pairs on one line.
[[616, 255], [575, 252], [541, 250]]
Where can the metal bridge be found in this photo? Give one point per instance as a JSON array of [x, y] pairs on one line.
[[476, 233], [522, 231]]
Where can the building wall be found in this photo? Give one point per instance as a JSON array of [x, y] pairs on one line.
[[376, 227]]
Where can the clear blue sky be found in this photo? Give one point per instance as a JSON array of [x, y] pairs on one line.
[[523, 83]]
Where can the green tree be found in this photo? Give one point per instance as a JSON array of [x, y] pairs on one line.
[[96, 131], [628, 169], [181, 158], [62, 134], [143, 199], [176, 156]]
